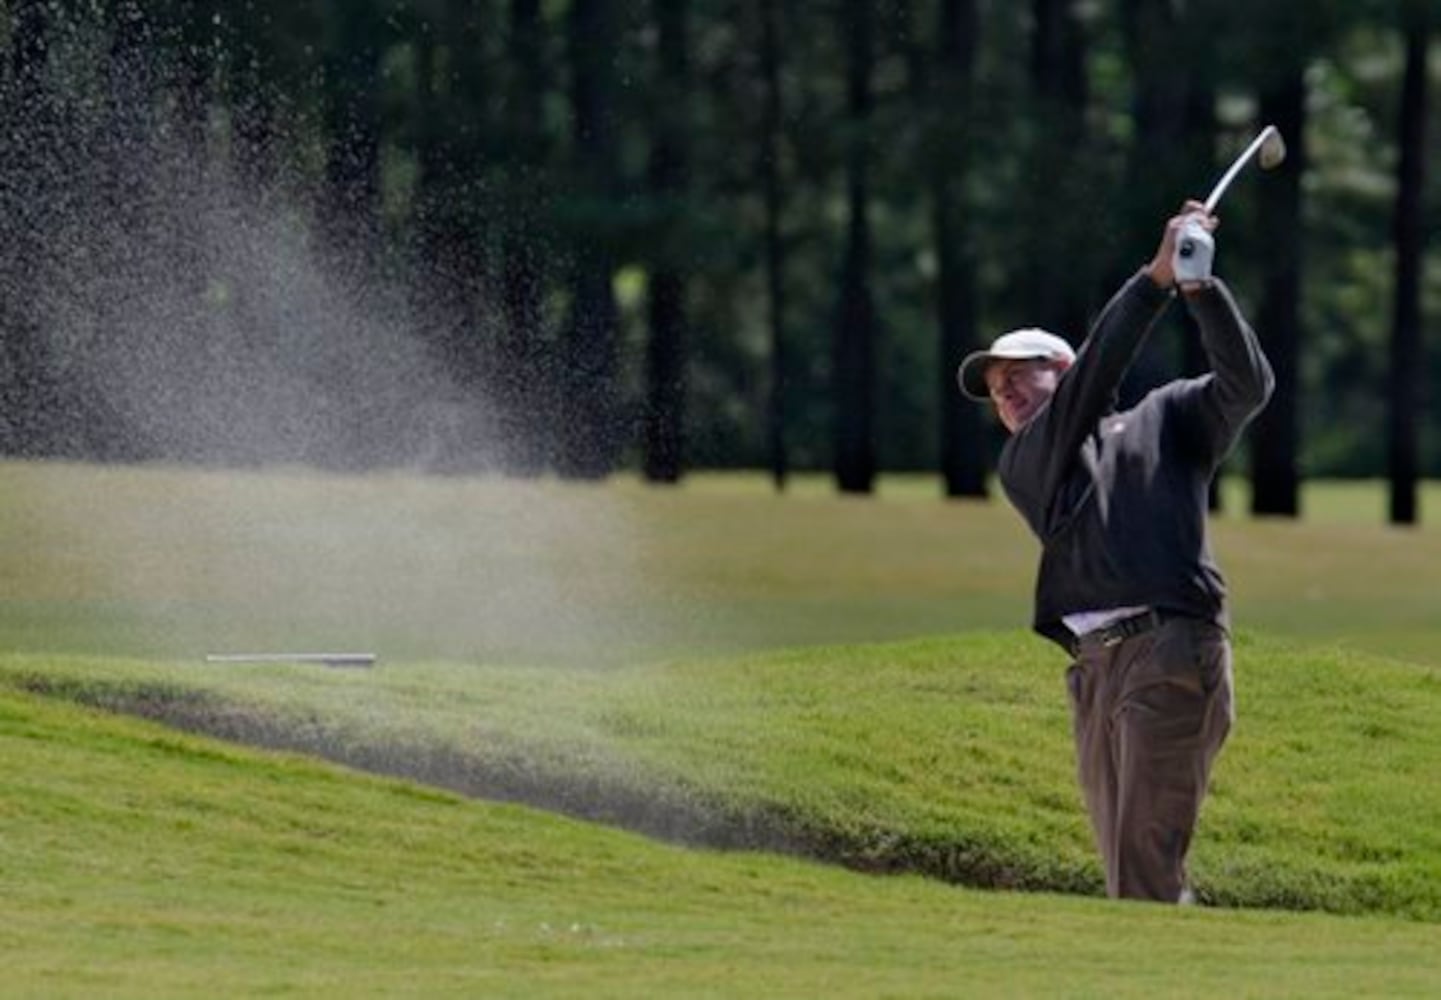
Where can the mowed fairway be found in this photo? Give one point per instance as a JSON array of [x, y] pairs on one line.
[[170, 563], [692, 661]]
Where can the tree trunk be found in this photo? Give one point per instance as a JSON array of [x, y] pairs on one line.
[[669, 168], [352, 118], [1171, 50], [29, 44], [445, 294], [1275, 435], [1059, 260], [24, 396], [525, 390], [855, 338], [1172, 54], [944, 102], [1410, 236], [254, 85], [591, 432], [196, 71], [774, 242]]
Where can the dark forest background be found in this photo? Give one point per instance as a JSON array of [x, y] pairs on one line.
[[539, 236]]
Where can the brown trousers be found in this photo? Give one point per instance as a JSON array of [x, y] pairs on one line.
[[1151, 713]]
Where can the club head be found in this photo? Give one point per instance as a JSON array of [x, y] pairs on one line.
[[1273, 149]]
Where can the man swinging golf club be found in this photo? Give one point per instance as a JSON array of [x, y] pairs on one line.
[[1127, 583]]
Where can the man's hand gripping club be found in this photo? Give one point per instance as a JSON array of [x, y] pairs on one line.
[[1187, 248]]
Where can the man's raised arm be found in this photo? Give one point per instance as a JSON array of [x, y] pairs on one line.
[[1241, 381]]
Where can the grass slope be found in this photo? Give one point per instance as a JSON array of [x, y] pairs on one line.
[[945, 756], [141, 863]]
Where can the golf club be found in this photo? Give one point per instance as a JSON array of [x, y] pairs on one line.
[[1272, 150], [326, 659], [1195, 247]]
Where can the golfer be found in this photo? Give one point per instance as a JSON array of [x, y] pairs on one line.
[[1127, 582]]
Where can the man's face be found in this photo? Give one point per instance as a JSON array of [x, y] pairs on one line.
[[1020, 387]]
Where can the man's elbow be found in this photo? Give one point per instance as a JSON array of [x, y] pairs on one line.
[[1245, 396], [1260, 389], [1265, 382], [1253, 390]]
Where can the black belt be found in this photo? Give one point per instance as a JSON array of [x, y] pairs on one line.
[[1127, 628]]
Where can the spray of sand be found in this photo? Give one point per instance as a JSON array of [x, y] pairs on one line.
[[172, 315]]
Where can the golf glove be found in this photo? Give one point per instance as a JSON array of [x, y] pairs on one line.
[[1195, 248]]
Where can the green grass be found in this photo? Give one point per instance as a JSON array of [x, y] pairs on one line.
[[949, 757], [141, 863], [175, 563], [740, 703]]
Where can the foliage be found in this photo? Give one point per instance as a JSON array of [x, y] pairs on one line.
[[422, 156]]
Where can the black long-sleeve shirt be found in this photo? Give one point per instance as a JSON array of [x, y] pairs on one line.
[[1118, 500]]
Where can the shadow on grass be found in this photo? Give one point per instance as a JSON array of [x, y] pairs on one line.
[[613, 792]]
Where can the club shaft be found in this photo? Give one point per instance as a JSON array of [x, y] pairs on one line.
[[335, 659], [1220, 189]]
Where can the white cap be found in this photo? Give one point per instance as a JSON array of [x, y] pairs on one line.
[[1018, 345]]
